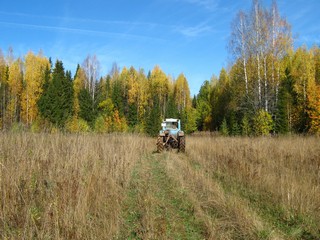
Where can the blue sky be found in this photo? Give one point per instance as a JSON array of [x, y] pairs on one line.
[[188, 36]]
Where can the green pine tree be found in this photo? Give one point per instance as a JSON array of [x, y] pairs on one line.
[[194, 101], [56, 102], [189, 120], [285, 106], [153, 123], [245, 126], [117, 97], [203, 107], [87, 110], [171, 108], [101, 95], [235, 129], [224, 128], [132, 114]]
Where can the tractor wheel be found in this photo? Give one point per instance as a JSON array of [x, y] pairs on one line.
[[160, 144], [182, 144]]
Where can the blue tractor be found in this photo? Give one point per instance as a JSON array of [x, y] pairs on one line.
[[171, 136]]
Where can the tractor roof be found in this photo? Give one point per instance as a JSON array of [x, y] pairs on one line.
[[171, 120]]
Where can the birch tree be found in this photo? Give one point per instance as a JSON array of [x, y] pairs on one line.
[[260, 39], [239, 43], [182, 93], [15, 90], [35, 67], [281, 44], [91, 66], [159, 85]]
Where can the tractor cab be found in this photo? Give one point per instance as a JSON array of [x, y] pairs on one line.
[[171, 126]]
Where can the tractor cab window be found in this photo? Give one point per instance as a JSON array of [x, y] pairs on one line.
[[172, 125]]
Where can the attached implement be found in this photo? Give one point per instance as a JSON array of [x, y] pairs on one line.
[[171, 136]]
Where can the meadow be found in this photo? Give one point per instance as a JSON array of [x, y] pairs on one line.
[[115, 186]]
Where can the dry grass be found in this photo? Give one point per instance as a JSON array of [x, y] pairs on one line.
[[278, 177], [65, 186], [114, 187], [226, 216]]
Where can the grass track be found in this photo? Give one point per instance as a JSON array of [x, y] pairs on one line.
[[171, 196], [227, 215], [164, 203], [157, 207]]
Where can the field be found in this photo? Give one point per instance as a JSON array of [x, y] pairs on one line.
[[117, 187]]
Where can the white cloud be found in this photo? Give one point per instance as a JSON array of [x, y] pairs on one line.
[[193, 31], [73, 30], [207, 4]]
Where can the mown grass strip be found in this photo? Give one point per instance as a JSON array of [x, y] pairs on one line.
[[156, 207], [181, 222], [132, 212]]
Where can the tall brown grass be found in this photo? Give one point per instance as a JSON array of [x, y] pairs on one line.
[[65, 186], [279, 177], [55, 186]]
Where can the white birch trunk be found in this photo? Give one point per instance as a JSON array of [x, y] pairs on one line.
[[277, 86], [265, 85], [259, 80], [243, 52]]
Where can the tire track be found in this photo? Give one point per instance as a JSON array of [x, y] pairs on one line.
[[170, 197], [226, 214], [157, 207]]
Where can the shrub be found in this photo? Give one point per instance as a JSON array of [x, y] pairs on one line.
[[245, 126], [224, 128], [262, 123], [76, 125]]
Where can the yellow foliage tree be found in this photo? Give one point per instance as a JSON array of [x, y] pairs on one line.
[[15, 89], [123, 82], [103, 124], [314, 110], [3, 83], [182, 93], [303, 72], [76, 125], [142, 100], [133, 85], [159, 86], [136, 92], [119, 123], [35, 67], [78, 84]]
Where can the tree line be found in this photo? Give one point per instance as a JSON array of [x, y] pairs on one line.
[[268, 88], [37, 94]]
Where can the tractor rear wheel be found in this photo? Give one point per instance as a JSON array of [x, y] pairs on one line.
[[160, 144], [182, 144]]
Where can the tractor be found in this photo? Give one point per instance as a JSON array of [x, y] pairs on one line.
[[171, 136]]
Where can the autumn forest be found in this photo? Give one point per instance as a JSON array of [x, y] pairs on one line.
[[269, 87]]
